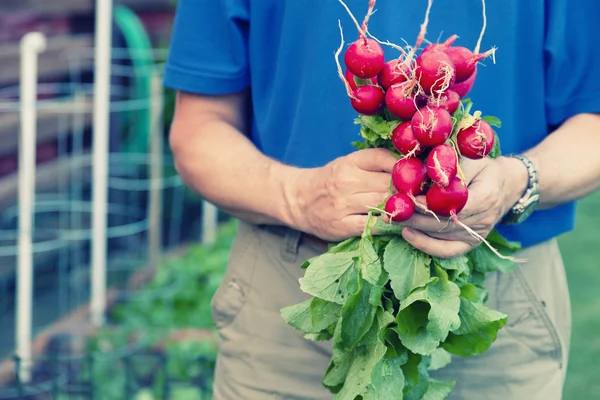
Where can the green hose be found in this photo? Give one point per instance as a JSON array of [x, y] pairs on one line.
[[137, 121]]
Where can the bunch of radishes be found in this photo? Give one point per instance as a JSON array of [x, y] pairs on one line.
[[423, 93]]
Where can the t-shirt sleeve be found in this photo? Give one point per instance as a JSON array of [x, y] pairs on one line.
[[572, 57], [208, 53]]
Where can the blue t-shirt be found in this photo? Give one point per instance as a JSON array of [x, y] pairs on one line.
[[547, 69]]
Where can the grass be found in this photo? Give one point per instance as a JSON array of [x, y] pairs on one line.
[[581, 254]]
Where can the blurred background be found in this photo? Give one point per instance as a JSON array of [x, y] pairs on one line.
[[166, 248]]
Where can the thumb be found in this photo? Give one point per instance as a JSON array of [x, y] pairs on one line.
[[375, 160]]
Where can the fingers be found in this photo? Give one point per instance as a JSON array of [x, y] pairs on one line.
[[376, 160], [362, 202], [373, 182], [427, 223], [471, 168], [435, 247], [353, 225]]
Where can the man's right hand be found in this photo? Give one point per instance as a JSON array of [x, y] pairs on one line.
[[332, 202], [216, 159]]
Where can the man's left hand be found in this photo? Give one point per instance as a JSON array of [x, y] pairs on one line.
[[495, 185]]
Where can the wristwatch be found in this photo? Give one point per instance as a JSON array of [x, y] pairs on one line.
[[530, 199]]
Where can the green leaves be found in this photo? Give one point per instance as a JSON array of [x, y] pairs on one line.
[[443, 299], [478, 329], [394, 313], [375, 130], [357, 316], [438, 390], [387, 379], [312, 316], [327, 276], [365, 357], [428, 314], [493, 121], [407, 268], [370, 263]]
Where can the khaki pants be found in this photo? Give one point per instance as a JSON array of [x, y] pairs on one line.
[[262, 358]]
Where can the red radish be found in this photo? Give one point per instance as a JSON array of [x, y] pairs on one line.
[[463, 88], [442, 164], [432, 125], [441, 46], [364, 58], [400, 207], [409, 176], [422, 100], [435, 71], [464, 61], [447, 201], [404, 140], [400, 100], [449, 100], [369, 100], [350, 78], [394, 71], [476, 141]]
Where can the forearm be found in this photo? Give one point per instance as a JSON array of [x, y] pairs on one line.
[[567, 161], [219, 163]]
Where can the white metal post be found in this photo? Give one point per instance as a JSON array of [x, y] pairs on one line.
[[156, 156], [103, 44], [31, 44], [210, 217]]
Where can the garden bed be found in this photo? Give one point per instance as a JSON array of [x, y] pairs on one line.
[[159, 341]]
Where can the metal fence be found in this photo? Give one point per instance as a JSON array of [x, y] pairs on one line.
[[87, 221]]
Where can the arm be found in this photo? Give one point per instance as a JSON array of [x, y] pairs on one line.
[[568, 169], [567, 161], [215, 158]]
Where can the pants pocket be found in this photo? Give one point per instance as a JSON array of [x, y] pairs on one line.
[[230, 297], [528, 320]]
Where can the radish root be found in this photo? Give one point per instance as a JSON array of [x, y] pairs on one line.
[[478, 46], [422, 33], [339, 67], [381, 211], [363, 29], [482, 239], [386, 43], [423, 207], [353, 18]]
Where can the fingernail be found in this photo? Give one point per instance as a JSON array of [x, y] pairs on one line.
[[408, 234]]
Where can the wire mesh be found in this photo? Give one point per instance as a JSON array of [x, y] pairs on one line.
[[146, 204]]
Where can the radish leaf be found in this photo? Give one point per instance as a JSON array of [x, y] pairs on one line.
[[327, 276], [408, 269], [479, 326], [387, 379], [357, 316], [438, 390], [439, 299], [492, 121]]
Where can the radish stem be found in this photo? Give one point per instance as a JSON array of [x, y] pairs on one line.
[[339, 67]]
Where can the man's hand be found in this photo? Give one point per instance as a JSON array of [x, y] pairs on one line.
[[332, 202], [495, 185]]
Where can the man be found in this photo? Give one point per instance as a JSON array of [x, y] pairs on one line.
[[263, 129]]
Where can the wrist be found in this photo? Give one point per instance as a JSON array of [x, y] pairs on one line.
[[516, 181], [291, 193]]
